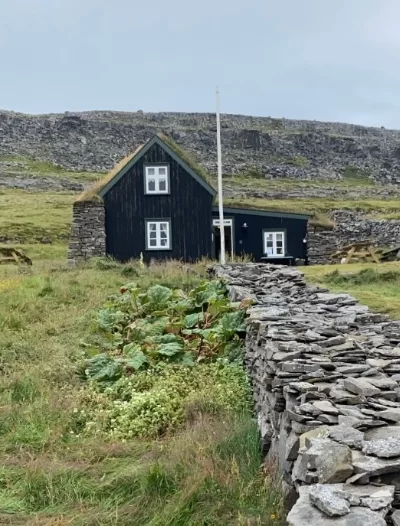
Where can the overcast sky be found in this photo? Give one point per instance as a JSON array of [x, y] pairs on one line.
[[336, 60]]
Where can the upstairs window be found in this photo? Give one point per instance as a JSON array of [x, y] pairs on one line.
[[158, 235], [274, 244], [156, 180]]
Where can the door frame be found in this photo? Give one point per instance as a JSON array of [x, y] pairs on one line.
[[228, 222]]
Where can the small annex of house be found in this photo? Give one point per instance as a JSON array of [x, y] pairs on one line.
[[158, 204]]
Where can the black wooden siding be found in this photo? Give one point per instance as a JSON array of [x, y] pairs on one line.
[[249, 240], [188, 206]]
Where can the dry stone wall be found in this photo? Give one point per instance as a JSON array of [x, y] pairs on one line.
[[350, 227], [325, 373], [88, 238]]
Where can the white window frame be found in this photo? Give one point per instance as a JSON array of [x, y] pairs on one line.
[[157, 178], [274, 234], [160, 224]]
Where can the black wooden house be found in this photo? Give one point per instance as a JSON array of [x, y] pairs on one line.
[[158, 204]]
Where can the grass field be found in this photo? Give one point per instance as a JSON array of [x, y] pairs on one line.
[[377, 286], [33, 216], [207, 474], [25, 165]]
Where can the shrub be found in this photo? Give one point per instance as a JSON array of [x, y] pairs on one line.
[[157, 400]]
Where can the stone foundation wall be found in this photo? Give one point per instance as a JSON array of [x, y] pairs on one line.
[[326, 384], [350, 227], [88, 237]]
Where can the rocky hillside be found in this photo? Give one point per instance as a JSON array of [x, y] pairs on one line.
[[262, 147]]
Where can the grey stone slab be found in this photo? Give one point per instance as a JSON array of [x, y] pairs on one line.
[[383, 448], [373, 466], [302, 419], [328, 419], [295, 367], [352, 369], [324, 406], [331, 342], [326, 500], [347, 435], [331, 460], [380, 363], [382, 382], [304, 513], [341, 395], [360, 386], [303, 387], [391, 414]]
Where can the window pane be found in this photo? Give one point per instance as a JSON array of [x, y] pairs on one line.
[[269, 236], [153, 227], [279, 251], [163, 227], [151, 171], [151, 185], [270, 251], [152, 242], [279, 236], [162, 171], [162, 185], [279, 243], [270, 244], [153, 235], [164, 242]]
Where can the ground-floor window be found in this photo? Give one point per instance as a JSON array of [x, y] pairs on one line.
[[274, 243], [158, 234]]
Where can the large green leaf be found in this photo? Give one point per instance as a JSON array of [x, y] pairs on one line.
[[109, 320], [230, 324], [209, 292], [169, 349], [156, 298], [191, 320], [103, 368], [143, 329], [136, 359]]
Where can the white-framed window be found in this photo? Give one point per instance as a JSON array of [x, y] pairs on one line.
[[158, 234], [156, 179], [274, 243]]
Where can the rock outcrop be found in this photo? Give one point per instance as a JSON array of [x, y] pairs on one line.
[[325, 373], [274, 148]]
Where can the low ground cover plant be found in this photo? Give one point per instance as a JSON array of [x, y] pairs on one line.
[[162, 352]]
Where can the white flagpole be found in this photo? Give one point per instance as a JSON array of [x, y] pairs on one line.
[[220, 198]]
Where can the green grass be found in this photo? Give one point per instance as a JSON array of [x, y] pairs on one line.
[[30, 166], [207, 474], [257, 181], [318, 204], [375, 285], [31, 216]]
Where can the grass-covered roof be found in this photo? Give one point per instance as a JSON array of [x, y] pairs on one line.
[[93, 193]]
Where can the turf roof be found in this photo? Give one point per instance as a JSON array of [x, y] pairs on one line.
[[97, 190]]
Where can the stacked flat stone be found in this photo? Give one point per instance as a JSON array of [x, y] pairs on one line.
[[88, 237], [350, 227], [326, 384]]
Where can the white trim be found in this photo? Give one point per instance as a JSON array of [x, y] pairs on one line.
[[277, 242], [153, 173], [228, 223], [162, 231]]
